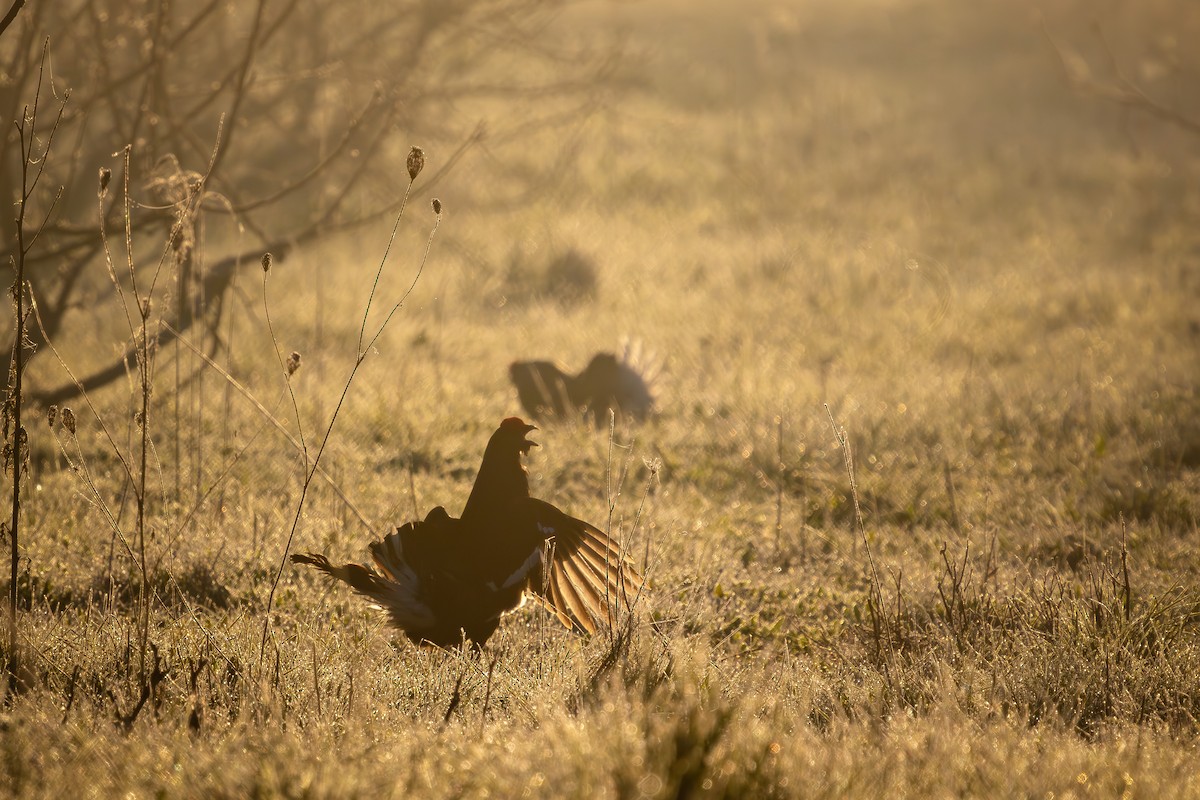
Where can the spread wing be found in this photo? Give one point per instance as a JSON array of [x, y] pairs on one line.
[[585, 578]]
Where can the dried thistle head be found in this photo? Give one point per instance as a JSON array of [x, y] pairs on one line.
[[437, 206], [266, 262], [293, 363], [68, 419], [416, 162], [51, 415], [105, 177]]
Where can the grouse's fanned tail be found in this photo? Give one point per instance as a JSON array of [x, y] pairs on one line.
[[396, 593], [359, 577]]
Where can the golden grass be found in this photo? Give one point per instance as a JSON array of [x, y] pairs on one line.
[[892, 208]]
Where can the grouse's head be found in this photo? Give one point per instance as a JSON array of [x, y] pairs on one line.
[[512, 433]]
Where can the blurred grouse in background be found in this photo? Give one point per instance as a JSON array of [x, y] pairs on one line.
[[606, 383], [444, 579]]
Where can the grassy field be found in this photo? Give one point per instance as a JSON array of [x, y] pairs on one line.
[[890, 218]]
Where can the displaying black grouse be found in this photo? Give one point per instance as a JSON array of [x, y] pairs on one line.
[[443, 579], [606, 383]]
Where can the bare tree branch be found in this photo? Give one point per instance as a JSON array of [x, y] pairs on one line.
[[1120, 89], [11, 16], [219, 276], [313, 96]]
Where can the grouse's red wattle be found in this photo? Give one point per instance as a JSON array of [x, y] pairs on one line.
[[443, 579]]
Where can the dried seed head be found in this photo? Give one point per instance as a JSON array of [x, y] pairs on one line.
[[68, 418], [416, 162], [51, 415], [293, 363], [105, 177], [146, 308], [437, 206], [266, 262]]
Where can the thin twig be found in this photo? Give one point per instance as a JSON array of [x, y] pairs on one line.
[[848, 459], [27, 132], [11, 16], [358, 361], [271, 418]]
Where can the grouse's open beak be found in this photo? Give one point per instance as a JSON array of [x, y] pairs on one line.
[[528, 443]]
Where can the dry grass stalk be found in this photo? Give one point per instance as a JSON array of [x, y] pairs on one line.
[[364, 347], [16, 440]]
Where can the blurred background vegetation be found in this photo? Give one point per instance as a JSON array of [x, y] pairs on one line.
[[968, 230]]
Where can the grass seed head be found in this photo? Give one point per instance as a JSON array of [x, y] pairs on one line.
[[416, 162], [68, 419], [105, 177], [51, 415], [266, 262], [437, 206], [293, 363]]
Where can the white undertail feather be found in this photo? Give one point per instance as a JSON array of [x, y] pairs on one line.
[[399, 585], [398, 599]]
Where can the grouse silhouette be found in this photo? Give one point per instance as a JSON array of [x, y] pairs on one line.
[[606, 383], [445, 579]]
